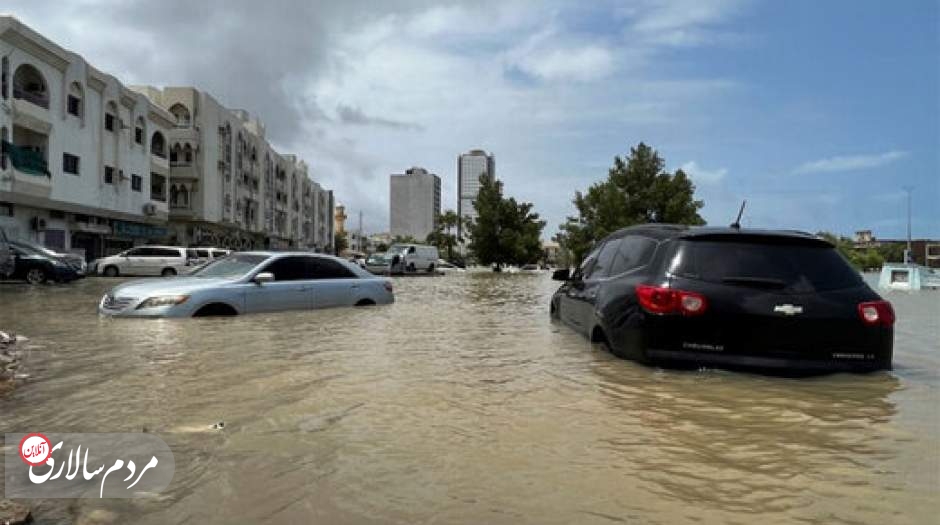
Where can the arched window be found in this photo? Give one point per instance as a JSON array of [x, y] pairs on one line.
[[29, 84], [158, 145], [5, 77], [174, 196], [184, 197], [176, 153], [188, 154], [75, 102], [182, 115]]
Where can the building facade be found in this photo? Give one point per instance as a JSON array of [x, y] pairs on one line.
[[91, 166], [229, 187], [414, 203], [83, 166], [470, 166]]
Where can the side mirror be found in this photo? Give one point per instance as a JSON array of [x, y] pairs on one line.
[[561, 275], [263, 277]]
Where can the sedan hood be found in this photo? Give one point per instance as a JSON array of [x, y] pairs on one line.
[[166, 286]]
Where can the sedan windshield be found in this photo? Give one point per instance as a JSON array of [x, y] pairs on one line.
[[232, 266]]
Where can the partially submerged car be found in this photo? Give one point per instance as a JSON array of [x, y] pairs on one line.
[[727, 297], [248, 282], [37, 264]]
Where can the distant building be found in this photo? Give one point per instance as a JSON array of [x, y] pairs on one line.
[[470, 166], [339, 219], [414, 203]]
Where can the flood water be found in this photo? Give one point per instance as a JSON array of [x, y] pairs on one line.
[[463, 403]]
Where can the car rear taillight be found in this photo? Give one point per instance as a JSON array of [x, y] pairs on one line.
[[663, 300], [388, 286], [876, 313]]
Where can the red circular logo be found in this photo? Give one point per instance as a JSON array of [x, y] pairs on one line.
[[35, 449]]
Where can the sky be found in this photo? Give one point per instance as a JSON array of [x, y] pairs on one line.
[[819, 114]]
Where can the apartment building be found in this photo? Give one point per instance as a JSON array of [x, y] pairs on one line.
[[414, 203], [229, 187], [83, 165]]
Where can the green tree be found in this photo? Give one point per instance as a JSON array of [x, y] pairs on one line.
[[505, 231], [863, 259], [444, 236], [405, 239], [637, 190], [340, 242]]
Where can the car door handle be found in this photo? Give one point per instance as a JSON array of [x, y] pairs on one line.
[[355, 287]]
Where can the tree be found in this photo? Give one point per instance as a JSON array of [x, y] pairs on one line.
[[637, 190], [861, 258], [505, 231], [443, 235], [340, 243], [405, 239]]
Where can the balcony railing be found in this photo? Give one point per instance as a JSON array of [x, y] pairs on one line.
[[40, 99], [26, 160], [158, 152]]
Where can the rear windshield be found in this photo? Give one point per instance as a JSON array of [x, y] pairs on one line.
[[790, 267]]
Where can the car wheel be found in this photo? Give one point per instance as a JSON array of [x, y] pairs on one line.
[[411, 267], [365, 302], [168, 272], [35, 276], [431, 268], [111, 271]]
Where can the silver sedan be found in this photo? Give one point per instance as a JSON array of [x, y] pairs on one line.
[[250, 282]]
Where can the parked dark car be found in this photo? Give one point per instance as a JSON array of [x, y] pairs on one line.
[[729, 298], [37, 264]]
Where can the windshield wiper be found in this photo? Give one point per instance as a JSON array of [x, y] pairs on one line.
[[761, 282]]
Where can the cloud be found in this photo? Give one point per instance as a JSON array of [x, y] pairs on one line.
[[850, 162], [703, 176], [551, 56], [355, 116]]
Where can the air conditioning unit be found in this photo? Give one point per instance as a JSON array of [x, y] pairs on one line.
[[150, 208], [38, 224]]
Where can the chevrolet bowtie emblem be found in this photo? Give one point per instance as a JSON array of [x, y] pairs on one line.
[[788, 309]]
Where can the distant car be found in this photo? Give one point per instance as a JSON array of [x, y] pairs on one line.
[[248, 282], [413, 257], [144, 260], [378, 263], [727, 297], [443, 266], [203, 254], [37, 264]]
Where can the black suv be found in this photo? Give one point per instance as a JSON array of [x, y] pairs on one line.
[[729, 298]]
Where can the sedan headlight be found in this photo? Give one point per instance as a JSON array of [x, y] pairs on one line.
[[163, 300]]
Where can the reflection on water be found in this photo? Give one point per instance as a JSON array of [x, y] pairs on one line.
[[462, 403]]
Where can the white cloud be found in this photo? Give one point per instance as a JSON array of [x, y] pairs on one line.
[[850, 162], [703, 176]]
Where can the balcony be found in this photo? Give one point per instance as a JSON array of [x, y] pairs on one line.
[[37, 98], [26, 170]]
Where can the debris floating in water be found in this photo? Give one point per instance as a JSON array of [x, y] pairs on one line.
[[218, 426], [10, 358]]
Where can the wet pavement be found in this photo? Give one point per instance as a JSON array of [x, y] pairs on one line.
[[463, 403]]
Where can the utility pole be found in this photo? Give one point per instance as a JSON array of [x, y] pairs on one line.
[[359, 248], [908, 258]]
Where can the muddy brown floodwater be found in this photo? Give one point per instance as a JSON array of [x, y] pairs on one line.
[[463, 403]]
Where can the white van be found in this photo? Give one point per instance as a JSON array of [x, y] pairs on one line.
[[413, 257], [144, 260]]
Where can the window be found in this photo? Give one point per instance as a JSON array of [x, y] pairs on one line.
[[157, 187], [109, 122], [167, 252], [329, 269], [74, 106], [108, 175], [70, 163], [139, 136], [292, 268], [137, 182], [633, 253]]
